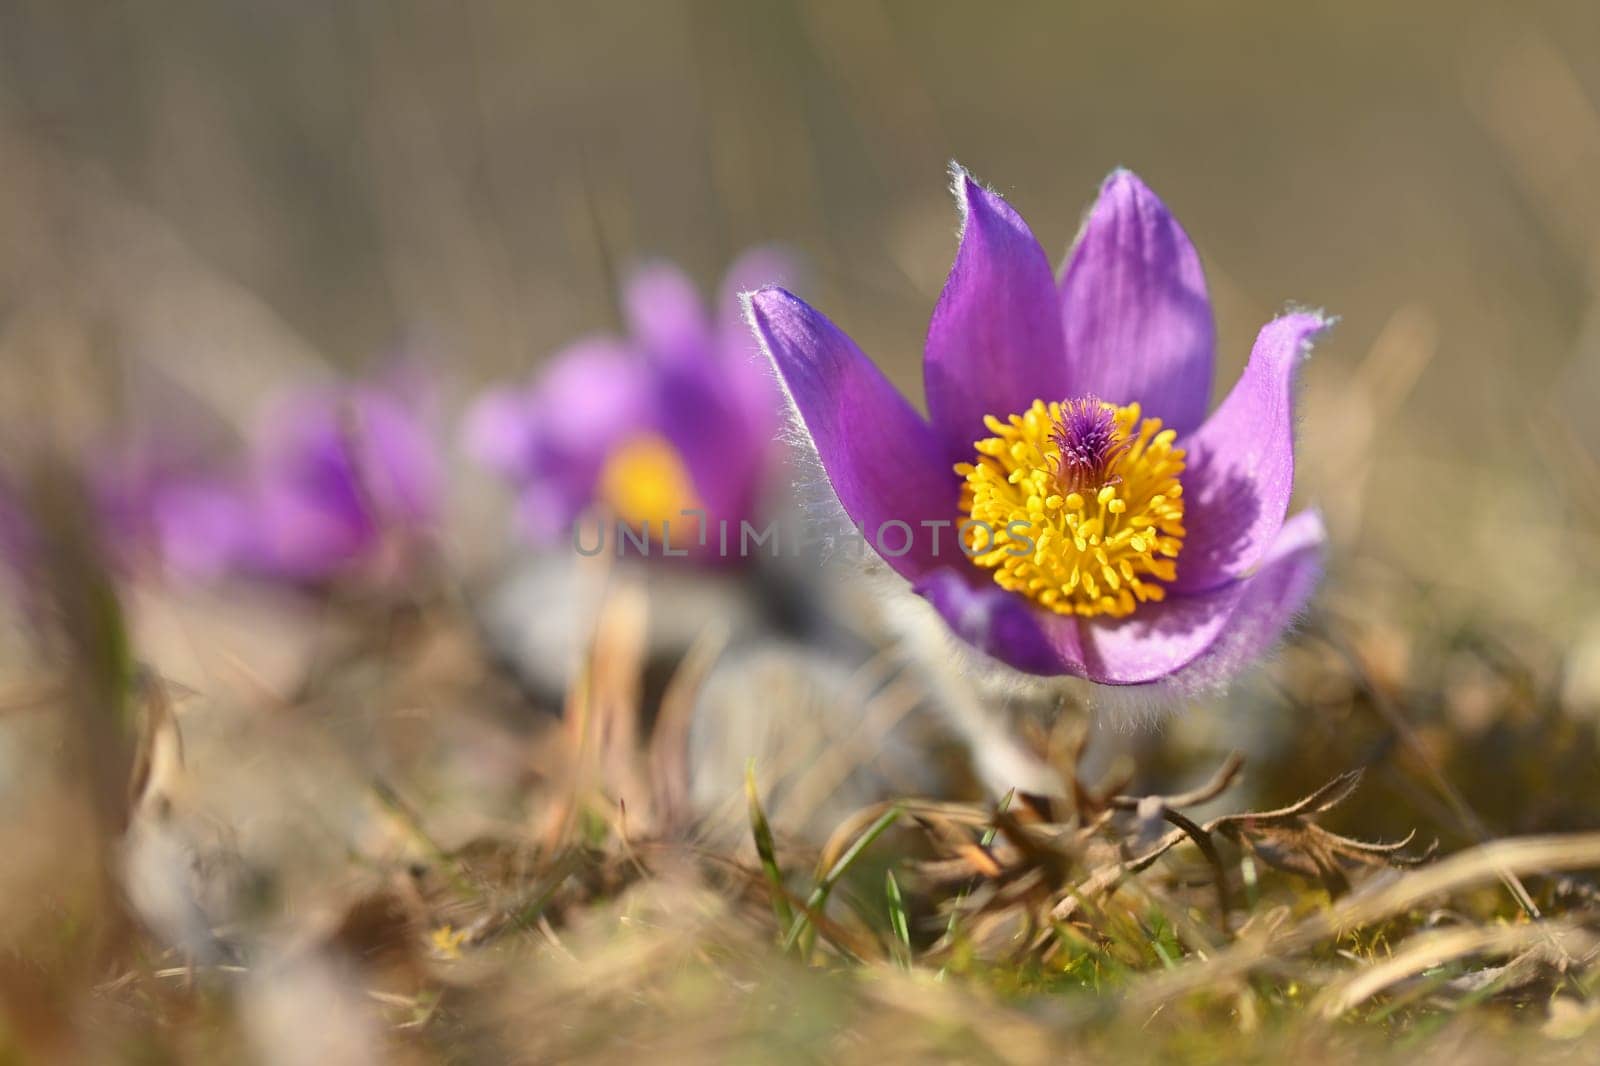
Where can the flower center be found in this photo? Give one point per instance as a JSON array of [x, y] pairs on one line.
[[645, 481], [1076, 505]]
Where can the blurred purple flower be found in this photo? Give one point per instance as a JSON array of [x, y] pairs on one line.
[[345, 479], [681, 413], [165, 503], [342, 481], [1153, 544]]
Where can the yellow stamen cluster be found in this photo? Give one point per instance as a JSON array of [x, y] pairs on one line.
[[645, 481], [1087, 549]]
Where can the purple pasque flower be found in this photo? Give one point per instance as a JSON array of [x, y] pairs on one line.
[[1106, 526], [679, 414], [346, 479], [166, 502], [342, 481]]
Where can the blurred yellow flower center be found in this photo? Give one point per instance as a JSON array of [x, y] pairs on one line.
[[1079, 504], [645, 480]]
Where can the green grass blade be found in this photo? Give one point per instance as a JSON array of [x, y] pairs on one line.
[[819, 895], [897, 917], [765, 848]]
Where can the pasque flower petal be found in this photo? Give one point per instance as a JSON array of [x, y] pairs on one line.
[[1004, 625], [553, 437], [882, 459], [994, 345], [1241, 461], [665, 313], [338, 471], [590, 395], [1135, 310], [1272, 598], [1223, 627], [205, 528], [701, 412], [401, 471], [499, 430]]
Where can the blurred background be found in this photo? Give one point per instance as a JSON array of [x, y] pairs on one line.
[[205, 204], [228, 191]]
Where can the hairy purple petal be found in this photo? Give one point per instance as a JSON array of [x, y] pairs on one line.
[[1133, 302], [1273, 597], [1241, 462], [1227, 625], [1004, 625], [1159, 638], [881, 458], [995, 344]]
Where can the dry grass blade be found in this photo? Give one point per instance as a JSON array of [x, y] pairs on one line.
[[1427, 950], [1219, 783], [1321, 801], [668, 749], [1464, 870], [1286, 838]]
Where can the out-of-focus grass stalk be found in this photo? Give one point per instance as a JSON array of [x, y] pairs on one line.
[[411, 823], [897, 918], [762, 832], [986, 840], [88, 633]]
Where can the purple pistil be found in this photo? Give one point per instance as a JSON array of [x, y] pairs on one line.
[[1089, 443]]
